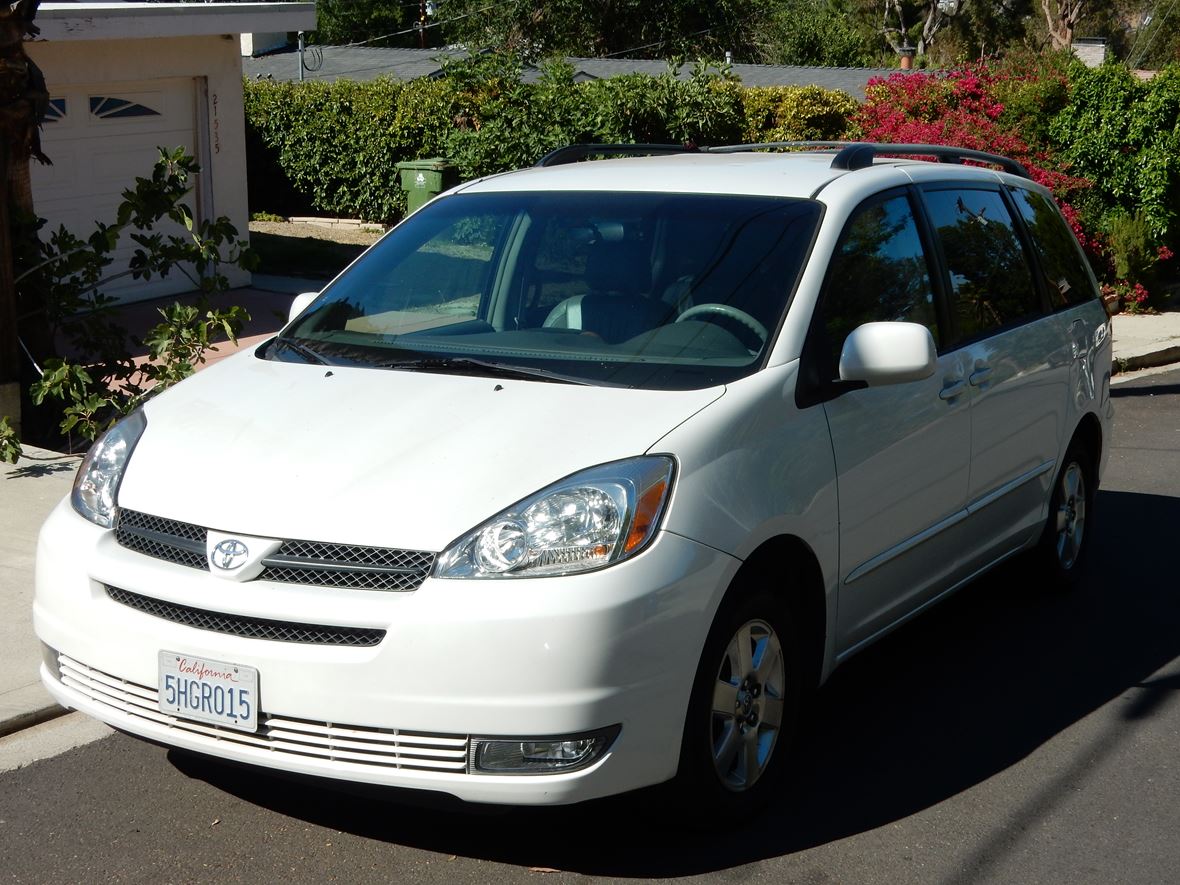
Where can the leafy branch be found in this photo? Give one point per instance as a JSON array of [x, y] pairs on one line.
[[65, 278]]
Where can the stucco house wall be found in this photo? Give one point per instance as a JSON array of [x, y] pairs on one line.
[[127, 78]]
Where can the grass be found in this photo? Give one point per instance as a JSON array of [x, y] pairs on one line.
[[302, 256]]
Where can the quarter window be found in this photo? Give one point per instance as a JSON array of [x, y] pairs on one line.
[[991, 282], [1067, 276], [879, 273]]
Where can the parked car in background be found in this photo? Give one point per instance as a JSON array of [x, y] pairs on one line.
[[586, 475]]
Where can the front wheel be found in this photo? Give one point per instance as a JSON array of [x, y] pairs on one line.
[[742, 713]]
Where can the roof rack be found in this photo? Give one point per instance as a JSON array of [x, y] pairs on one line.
[[575, 152], [849, 155], [860, 154]]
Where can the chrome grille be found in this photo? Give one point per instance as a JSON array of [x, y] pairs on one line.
[[253, 628], [343, 565], [347, 745], [296, 562], [161, 538]]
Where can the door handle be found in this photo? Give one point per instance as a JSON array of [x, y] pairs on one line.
[[952, 390], [980, 375]]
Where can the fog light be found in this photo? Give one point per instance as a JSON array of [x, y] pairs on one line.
[[545, 755], [49, 659]]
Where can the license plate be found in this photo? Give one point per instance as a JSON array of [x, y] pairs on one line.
[[209, 691]]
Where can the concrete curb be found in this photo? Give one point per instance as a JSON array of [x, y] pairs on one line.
[[29, 718], [26, 706], [1152, 360]]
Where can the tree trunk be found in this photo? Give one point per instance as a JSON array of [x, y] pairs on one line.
[[1062, 17], [23, 101], [9, 344]]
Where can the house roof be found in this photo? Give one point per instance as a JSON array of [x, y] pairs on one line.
[[367, 63], [112, 21]]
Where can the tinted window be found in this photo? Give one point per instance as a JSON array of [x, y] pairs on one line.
[[991, 283], [878, 273], [1067, 276]]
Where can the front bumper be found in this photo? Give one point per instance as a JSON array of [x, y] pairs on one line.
[[460, 659]]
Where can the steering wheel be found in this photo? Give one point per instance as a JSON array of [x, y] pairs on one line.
[[733, 313]]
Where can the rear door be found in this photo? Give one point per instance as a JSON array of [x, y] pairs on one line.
[[1017, 365]]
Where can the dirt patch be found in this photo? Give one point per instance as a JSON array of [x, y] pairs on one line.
[[355, 236], [307, 250]]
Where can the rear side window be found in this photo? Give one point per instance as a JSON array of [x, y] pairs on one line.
[[1067, 277], [990, 275], [879, 273]]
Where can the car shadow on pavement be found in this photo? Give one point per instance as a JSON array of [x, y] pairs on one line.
[[950, 700]]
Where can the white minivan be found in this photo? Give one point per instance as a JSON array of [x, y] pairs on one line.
[[584, 476]]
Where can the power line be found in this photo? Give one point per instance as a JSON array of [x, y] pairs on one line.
[[1155, 32], [658, 43], [1149, 18], [425, 27]]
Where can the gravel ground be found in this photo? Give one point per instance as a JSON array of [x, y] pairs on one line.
[[342, 234]]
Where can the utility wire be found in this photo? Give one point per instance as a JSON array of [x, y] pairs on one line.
[[425, 27], [1155, 32], [658, 43], [1139, 32]]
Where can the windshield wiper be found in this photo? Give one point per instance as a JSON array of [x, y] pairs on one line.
[[302, 349], [469, 366]]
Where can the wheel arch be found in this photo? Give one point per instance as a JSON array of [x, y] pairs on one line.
[[789, 569], [1089, 434]]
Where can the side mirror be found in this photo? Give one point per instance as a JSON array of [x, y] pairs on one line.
[[888, 353], [300, 304]]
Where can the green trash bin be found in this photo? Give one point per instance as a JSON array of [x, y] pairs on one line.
[[422, 180]]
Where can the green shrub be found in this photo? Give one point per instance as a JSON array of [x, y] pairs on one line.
[[1124, 134], [1033, 87], [795, 113], [501, 122], [339, 143], [62, 277]]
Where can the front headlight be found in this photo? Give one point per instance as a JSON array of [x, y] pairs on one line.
[[97, 482], [589, 520]]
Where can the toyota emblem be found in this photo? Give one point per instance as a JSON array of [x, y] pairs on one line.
[[229, 554]]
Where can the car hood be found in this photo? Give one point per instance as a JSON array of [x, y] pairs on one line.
[[376, 457]]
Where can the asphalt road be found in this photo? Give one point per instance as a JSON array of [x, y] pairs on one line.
[[1010, 736]]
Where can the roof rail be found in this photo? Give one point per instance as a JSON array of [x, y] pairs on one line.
[[860, 154], [575, 152]]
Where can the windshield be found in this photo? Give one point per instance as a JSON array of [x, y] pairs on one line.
[[664, 291]]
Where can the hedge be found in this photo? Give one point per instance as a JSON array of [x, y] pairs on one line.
[[336, 145], [795, 113], [1125, 133]]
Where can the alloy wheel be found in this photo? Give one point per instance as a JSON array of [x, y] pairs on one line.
[[748, 701], [1071, 515]]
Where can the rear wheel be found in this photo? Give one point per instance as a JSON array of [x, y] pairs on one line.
[[742, 714], [1064, 541]]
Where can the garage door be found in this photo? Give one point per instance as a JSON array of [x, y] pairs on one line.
[[100, 138]]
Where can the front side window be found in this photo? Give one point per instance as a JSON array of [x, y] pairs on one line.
[[668, 291], [879, 273], [991, 281]]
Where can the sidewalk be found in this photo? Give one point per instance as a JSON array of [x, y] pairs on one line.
[[30, 489], [1144, 342]]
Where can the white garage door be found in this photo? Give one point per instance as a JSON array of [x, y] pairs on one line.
[[100, 138]]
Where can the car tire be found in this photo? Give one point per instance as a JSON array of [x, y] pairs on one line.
[[1065, 538], [742, 714]]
